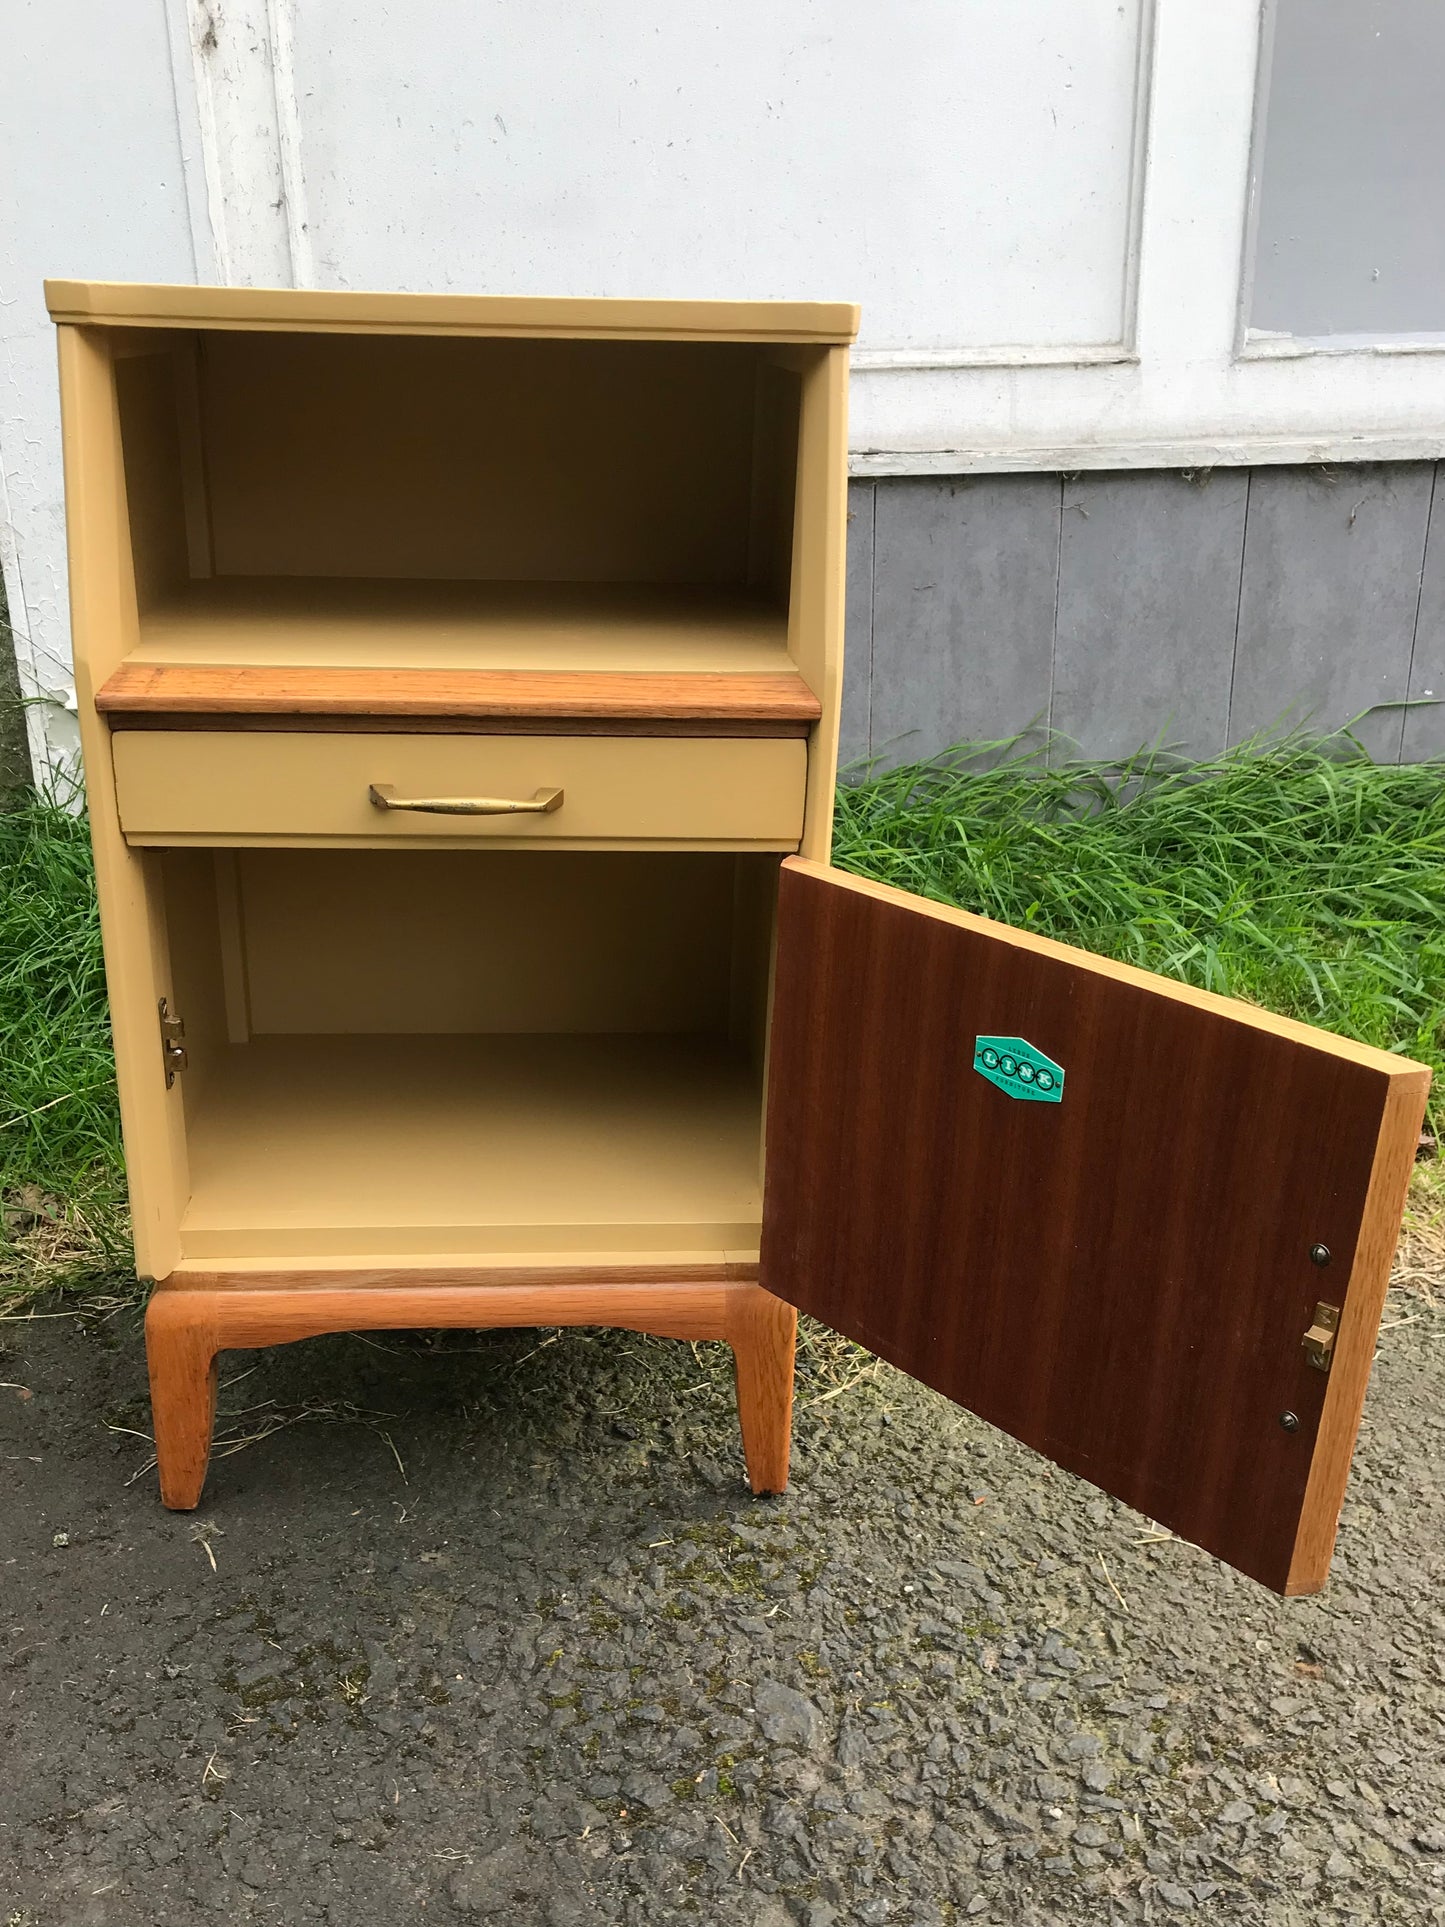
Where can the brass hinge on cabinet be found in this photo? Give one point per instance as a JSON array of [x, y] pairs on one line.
[[1319, 1340], [173, 1051]]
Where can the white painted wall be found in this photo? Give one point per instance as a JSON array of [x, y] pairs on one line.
[[1041, 204], [90, 183], [750, 149]]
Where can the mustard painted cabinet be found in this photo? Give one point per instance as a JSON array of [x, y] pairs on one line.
[[459, 684]]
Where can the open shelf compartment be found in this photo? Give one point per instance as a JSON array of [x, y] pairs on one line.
[[354, 502], [525, 1058]]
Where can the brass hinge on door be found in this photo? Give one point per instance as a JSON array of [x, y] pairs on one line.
[[1319, 1340], [173, 1050]]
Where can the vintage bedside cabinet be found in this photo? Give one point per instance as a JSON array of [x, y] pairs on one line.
[[458, 683]]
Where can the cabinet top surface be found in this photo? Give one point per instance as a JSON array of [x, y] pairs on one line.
[[137, 304]]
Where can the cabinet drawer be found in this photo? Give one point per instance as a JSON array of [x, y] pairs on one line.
[[203, 786]]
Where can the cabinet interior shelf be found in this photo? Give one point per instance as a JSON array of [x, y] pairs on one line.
[[319, 647], [367, 1145]]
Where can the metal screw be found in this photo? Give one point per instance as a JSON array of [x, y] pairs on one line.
[[1290, 1421], [1319, 1254]]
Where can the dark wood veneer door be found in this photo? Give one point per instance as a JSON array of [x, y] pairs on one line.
[[1123, 1278]]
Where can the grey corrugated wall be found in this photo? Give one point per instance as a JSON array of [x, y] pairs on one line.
[[1122, 607], [1119, 607]]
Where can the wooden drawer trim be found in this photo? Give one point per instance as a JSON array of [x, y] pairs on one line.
[[371, 725], [141, 693]]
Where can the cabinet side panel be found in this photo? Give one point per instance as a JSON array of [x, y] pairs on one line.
[[754, 914], [815, 623], [776, 410], [198, 970], [151, 445], [1364, 1303], [754, 949], [103, 620]]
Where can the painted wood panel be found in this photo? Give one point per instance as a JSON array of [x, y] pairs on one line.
[[1122, 1278], [965, 576], [1147, 587], [1148, 598], [1424, 733], [854, 728], [969, 169], [1332, 561]]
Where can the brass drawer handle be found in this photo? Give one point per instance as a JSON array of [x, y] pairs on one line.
[[384, 796]]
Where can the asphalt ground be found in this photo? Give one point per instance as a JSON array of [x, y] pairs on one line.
[[486, 1627]]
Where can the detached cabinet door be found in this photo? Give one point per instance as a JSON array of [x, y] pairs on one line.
[[1094, 1206]]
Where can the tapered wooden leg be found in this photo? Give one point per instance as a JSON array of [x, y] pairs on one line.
[[181, 1352], [763, 1332], [188, 1324]]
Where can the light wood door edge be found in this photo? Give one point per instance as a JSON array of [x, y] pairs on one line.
[[132, 304], [139, 688], [1361, 1310], [251, 1315]]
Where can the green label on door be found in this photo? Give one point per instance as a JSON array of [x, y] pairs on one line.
[[1018, 1069]]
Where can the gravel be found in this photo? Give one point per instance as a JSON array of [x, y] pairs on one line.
[[496, 1634]]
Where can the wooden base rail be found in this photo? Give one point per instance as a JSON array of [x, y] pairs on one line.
[[186, 1329]]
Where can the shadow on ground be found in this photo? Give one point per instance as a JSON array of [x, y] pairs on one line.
[[497, 1634]]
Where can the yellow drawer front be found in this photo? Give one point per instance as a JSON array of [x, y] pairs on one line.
[[288, 787]]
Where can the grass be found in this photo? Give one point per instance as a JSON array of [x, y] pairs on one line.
[[62, 1185], [1297, 875]]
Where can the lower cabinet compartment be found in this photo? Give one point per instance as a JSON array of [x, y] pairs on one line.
[[537, 1058]]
